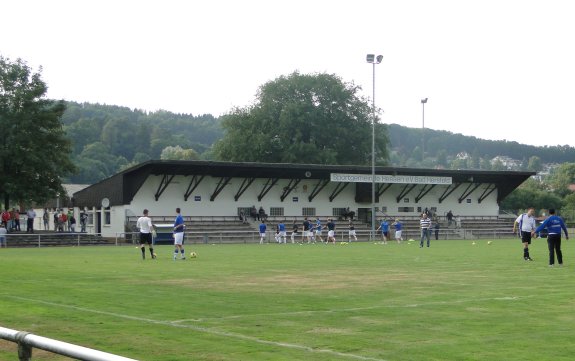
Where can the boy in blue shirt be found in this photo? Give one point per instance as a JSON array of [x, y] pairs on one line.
[[384, 226], [262, 231]]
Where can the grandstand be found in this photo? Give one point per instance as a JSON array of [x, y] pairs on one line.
[[212, 195]]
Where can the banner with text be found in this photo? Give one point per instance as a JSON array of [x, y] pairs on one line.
[[383, 178]]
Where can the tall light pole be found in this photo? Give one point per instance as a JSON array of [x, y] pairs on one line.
[[423, 101], [372, 59]]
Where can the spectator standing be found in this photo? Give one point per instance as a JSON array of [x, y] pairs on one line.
[[31, 214], [46, 219], [261, 214], [526, 223], [17, 220], [449, 218], [5, 218], [56, 221], [68, 216], [179, 227], [3, 233], [425, 225], [144, 224], [72, 221], [11, 220], [554, 225], [83, 221], [436, 227], [63, 221]]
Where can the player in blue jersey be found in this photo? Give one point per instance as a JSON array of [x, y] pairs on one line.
[[398, 230], [330, 231], [307, 229], [282, 232], [318, 229], [554, 225], [263, 228], [179, 235], [384, 226]]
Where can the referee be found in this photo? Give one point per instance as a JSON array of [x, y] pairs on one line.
[[526, 223]]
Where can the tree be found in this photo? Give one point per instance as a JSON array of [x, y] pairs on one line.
[[534, 164], [34, 149], [303, 119], [561, 177], [179, 153]]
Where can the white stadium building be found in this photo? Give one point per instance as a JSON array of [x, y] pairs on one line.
[[290, 191]]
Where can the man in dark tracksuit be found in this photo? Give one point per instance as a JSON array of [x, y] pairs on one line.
[[554, 225]]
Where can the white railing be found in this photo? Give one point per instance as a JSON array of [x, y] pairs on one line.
[[27, 341], [43, 239]]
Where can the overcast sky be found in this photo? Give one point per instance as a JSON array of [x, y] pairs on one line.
[[494, 69]]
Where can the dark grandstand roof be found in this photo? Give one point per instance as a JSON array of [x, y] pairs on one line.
[[122, 187]]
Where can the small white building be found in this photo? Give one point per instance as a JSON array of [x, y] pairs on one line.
[[206, 188]]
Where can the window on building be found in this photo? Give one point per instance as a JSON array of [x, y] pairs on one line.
[[308, 211], [405, 200], [405, 209], [276, 211], [468, 200], [107, 216]]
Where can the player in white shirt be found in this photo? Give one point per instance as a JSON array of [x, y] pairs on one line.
[[146, 228], [526, 222]]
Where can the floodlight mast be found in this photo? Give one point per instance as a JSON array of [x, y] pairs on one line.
[[372, 59]]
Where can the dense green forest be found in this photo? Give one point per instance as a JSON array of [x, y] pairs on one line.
[[442, 148], [107, 139]]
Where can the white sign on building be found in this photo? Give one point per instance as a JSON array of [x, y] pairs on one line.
[[383, 178]]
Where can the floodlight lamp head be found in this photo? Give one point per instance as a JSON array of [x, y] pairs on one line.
[[370, 58], [423, 101], [379, 58]]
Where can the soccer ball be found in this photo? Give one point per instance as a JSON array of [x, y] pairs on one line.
[[193, 255], [489, 242]]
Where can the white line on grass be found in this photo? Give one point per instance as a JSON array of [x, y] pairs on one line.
[[203, 329], [337, 310]]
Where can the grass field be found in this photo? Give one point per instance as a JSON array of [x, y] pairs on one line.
[[453, 301]]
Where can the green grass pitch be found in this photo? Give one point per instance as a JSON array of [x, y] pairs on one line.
[[362, 301]]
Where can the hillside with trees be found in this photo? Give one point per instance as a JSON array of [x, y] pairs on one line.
[[445, 149], [107, 138]]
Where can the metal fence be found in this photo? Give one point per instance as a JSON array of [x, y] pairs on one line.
[[27, 341]]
